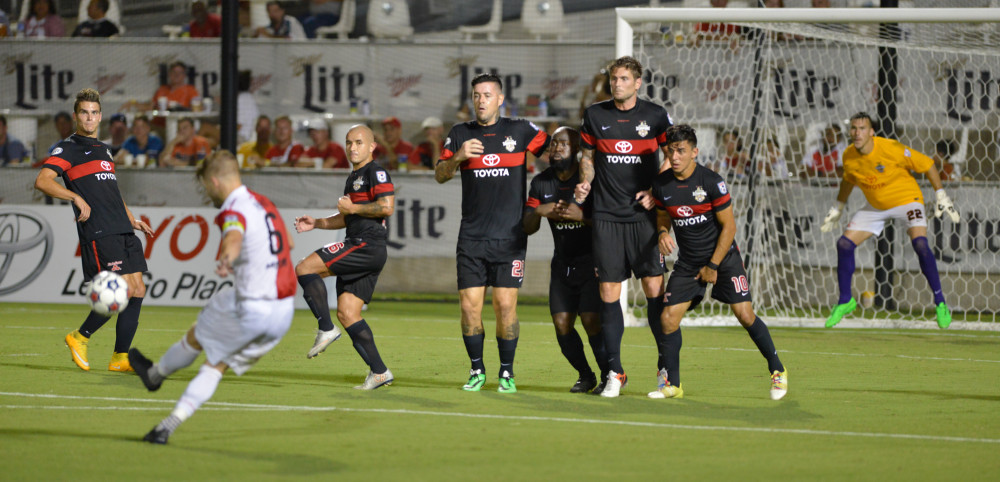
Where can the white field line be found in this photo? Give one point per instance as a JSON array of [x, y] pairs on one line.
[[300, 408]]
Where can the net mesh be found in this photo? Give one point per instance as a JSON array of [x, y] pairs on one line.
[[771, 103]]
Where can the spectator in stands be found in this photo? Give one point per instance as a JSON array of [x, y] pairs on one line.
[[599, 90], [254, 153], [716, 31], [144, 146], [12, 151], [333, 154], [177, 91], [187, 148], [825, 160], [391, 148], [97, 25], [114, 13], [42, 20], [322, 13], [4, 24], [774, 164], [247, 110], [118, 129], [282, 25], [64, 127], [732, 161], [428, 152], [204, 24], [285, 152], [943, 151]]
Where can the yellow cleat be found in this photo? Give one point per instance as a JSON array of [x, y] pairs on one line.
[[119, 363], [664, 389], [77, 344], [779, 384]]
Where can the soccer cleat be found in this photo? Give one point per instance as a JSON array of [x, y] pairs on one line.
[[943, 315], [476, 381], [375, 380], [616, 381], [600, 386], [779, 384], [506, 383], [119, 363], [77, 344], [584, 384], [664, 389], [323, 340], [156, 436], [840, 311], [142, 365]]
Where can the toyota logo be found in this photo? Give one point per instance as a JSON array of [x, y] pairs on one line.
[[27, 237], [106, 165], [491, 160], [685, 211], [623, 147]]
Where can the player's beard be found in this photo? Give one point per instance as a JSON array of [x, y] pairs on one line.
[[562, 164]]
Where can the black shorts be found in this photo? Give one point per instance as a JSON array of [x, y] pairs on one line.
[[623, 248], [731, 287], [573, 286], [496, 262], [120, 253], [356, 264]]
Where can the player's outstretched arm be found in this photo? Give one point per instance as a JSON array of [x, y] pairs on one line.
[[833, 215], [137, 223], [46, 182], [586, 175], [229, 250], [308, 223]]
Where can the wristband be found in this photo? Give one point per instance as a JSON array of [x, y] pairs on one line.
[[662, 231], [712, 266]]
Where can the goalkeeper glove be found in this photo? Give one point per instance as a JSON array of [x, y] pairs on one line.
[[830, 221], [944, 205]]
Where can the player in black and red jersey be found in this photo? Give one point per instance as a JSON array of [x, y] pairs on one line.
[[572, 283], [694, 202], [491, 152], [105, 224], [620, 139], [369, 199]]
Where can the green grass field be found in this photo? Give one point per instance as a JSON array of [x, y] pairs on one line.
[[862, 405]]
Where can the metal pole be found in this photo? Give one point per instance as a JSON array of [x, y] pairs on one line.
[[229, 66], [886, 115]]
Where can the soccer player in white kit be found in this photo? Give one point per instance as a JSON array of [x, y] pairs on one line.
[[240, 323]]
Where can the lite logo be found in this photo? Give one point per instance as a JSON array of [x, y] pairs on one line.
[[26, 243], [623, 147]]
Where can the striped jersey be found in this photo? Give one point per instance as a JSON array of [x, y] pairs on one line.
[[87, 169], [692, 204], [365, 186], [572, 239], [494, 183], [264, 269], [884, 173], [626, 157]]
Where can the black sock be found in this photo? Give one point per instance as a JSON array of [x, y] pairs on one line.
[[93, 323], [654, 308], [762, 338], [364, 342], [613, 327], [600, 354], [474, 347], [572, 348], [314, 291], [670, 352], [127, 324], [506, 349]]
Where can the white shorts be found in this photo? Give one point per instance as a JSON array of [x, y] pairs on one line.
[[873, 220], [240, 332]]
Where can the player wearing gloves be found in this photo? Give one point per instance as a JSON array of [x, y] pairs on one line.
[[881, 168]]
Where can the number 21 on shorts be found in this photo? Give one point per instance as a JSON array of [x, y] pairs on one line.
[[517, 268]]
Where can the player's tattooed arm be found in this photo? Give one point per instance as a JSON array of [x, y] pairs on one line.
[[586, 175], [382, 207]]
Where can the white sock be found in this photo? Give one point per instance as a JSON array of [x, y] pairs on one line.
[[178, 356], [201, 388]]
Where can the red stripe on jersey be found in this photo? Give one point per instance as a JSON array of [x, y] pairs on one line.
[[587, 138], [369, 195], [504, 159], [286, 281], [88, 168], [532, 202], [446, 154], [58, 162], [720, 201], [662, 138], [535, 146], [638, 147], [96, 259], [696, 209], [382, 189], [220, 219], [357, 197], [658, 203]]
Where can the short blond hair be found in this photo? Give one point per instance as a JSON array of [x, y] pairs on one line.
[[219, 164]]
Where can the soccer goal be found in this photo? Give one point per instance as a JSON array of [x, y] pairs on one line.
[[770, 92]]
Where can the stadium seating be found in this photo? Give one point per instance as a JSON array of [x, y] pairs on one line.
[[490, 28], [345, 25], [543, 18], [389, 19]]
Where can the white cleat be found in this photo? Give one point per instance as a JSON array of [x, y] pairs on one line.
[[615, 383], [323, 340], [664, 389], [375, 380], [779, 384]]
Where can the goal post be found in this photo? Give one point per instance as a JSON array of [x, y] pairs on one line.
[[770, 95]]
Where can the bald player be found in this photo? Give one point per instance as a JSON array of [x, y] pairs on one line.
[[368, 200], [242, 322]]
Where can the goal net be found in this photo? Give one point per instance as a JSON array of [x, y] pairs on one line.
[[770, 92]]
